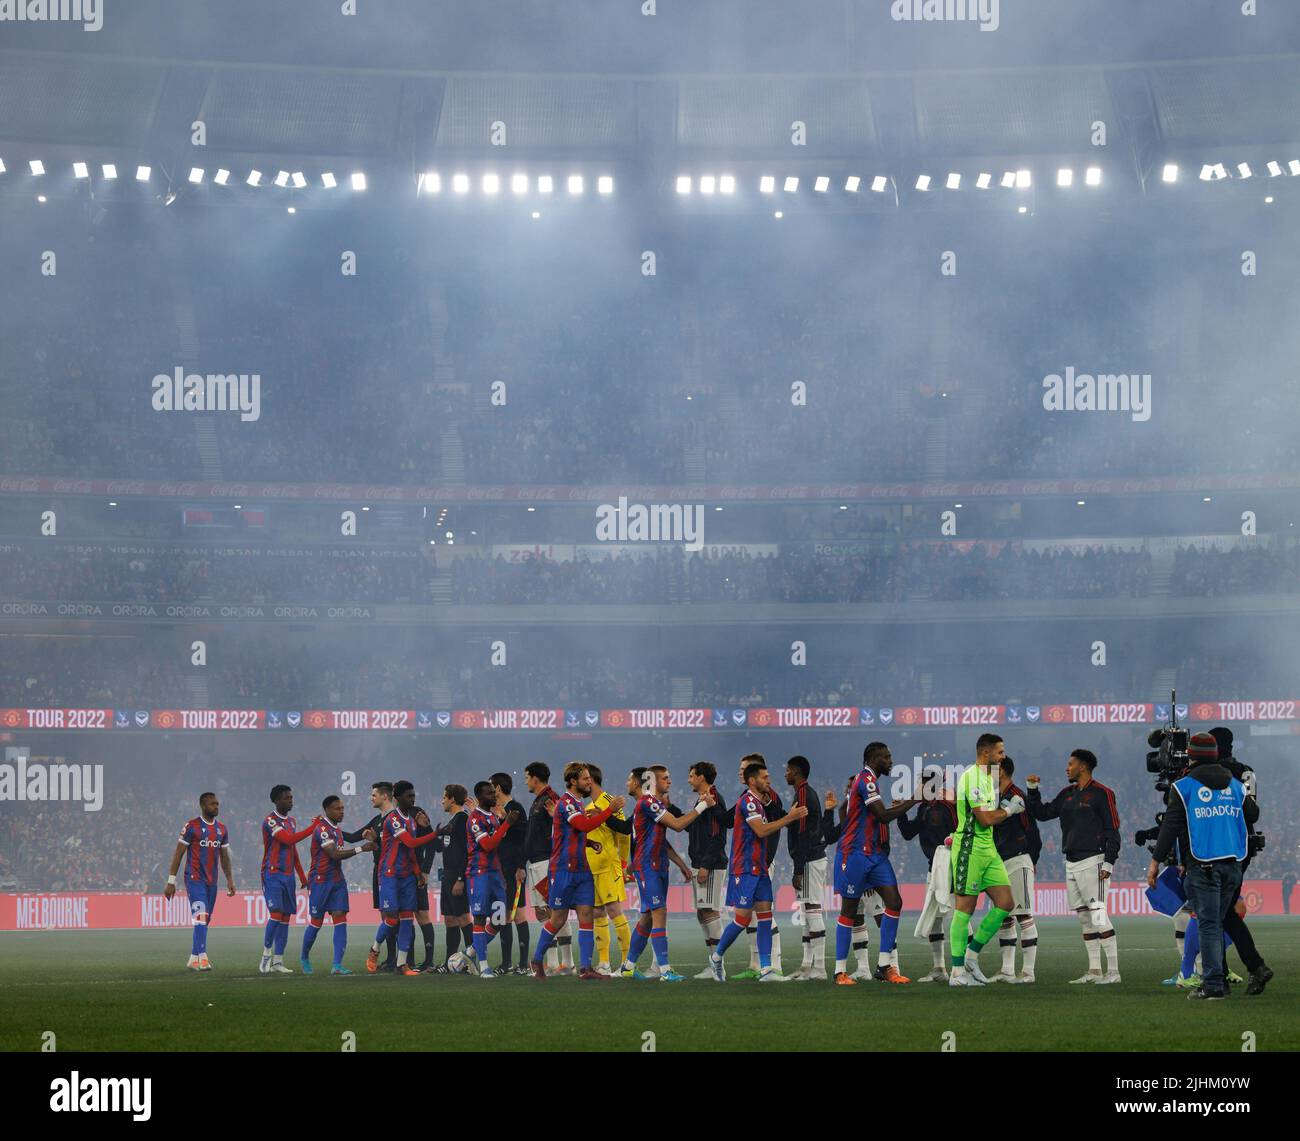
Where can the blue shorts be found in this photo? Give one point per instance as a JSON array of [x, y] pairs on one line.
[[571, 889], [653, 887], [277, 890], [485, 890], [396, 893], [200, 893], [327, 898], [745, 891], [860, 874]]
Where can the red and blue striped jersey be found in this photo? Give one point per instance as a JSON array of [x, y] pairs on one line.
[[323, 868], [480, 826], [277, 858], [648, 835], [395, 858], [205, 841], [748, 849], [568, 845], [863, 834]]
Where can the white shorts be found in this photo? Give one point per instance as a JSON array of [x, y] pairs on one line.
[[938, 893], [1020, 871], [538, 871], [711, 894], [814, 883], [1084, 886], [871, 905]]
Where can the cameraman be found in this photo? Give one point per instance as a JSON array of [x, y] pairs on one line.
[[1234, 924], [1207, 817]]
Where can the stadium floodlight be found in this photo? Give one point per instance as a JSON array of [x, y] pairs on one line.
[[491, 183], [727, 183], [954, 180], [1274, 168], [292, 209], [1024, 180], [1008, 179], [430, 182], [1207, 172], [822, 184], [575, 184], [519, 183], [1023, 210], [791, 183], [40, 198], [1243, 169], [221, 177], [1093, 176], [683, 184], [1268, 200], [708, 184], [460, 182], [80, 170], [196, 174], [852, 183], [1065, 177], [984, 181], [879, 183], [779, 214], [1079, 502], [766, 184], [1293, 166], [2, 166], [327, 180], [37, 167], [282, 179], [545, 184], [109, 170], [142, 173], [1170, 172], [1220, 171], [358, 180], [923, 182], [605, 184], [299, 180], [254, 178], [537, 214]]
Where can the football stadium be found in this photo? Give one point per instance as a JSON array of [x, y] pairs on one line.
[[789, 511]]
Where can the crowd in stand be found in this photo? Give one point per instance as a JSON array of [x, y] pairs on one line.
[[1213, 572]]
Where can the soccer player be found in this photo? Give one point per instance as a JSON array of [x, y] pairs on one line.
[[976, 865], [650, 820], [537, 845], [454, 843], [513, 860], [1019, 844], [808, 854], [862, 863], [329, 889], [484, 831], [569, 881], [397, 896], [423, 867], [381, 799], [608, 850], [706, 848], [772, 810], [935, 821], [832, 830], [202, 842], [1090, 839], [279, 863], [749, 889]]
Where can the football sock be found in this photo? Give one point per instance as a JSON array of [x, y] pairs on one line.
[[309, 938], [659, 942], [637, 945], [728, 937], [764, 940], [1007, 941], [601, 927], [844, 931], [521, 929], [340, 942], [545, 937], [1028, 943], [623, 933], [586, 944], [958, 933], [426, 932]]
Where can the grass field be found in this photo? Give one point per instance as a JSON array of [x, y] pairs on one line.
[[129, 991]]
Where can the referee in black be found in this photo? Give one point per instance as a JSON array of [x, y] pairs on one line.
[[381, 799]]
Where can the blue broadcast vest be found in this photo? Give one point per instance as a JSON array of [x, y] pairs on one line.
[[1216, 824]]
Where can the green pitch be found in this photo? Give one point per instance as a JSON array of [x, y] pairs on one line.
[[129, 991]]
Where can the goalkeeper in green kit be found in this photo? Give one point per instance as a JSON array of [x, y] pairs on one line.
[[976, 865]]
